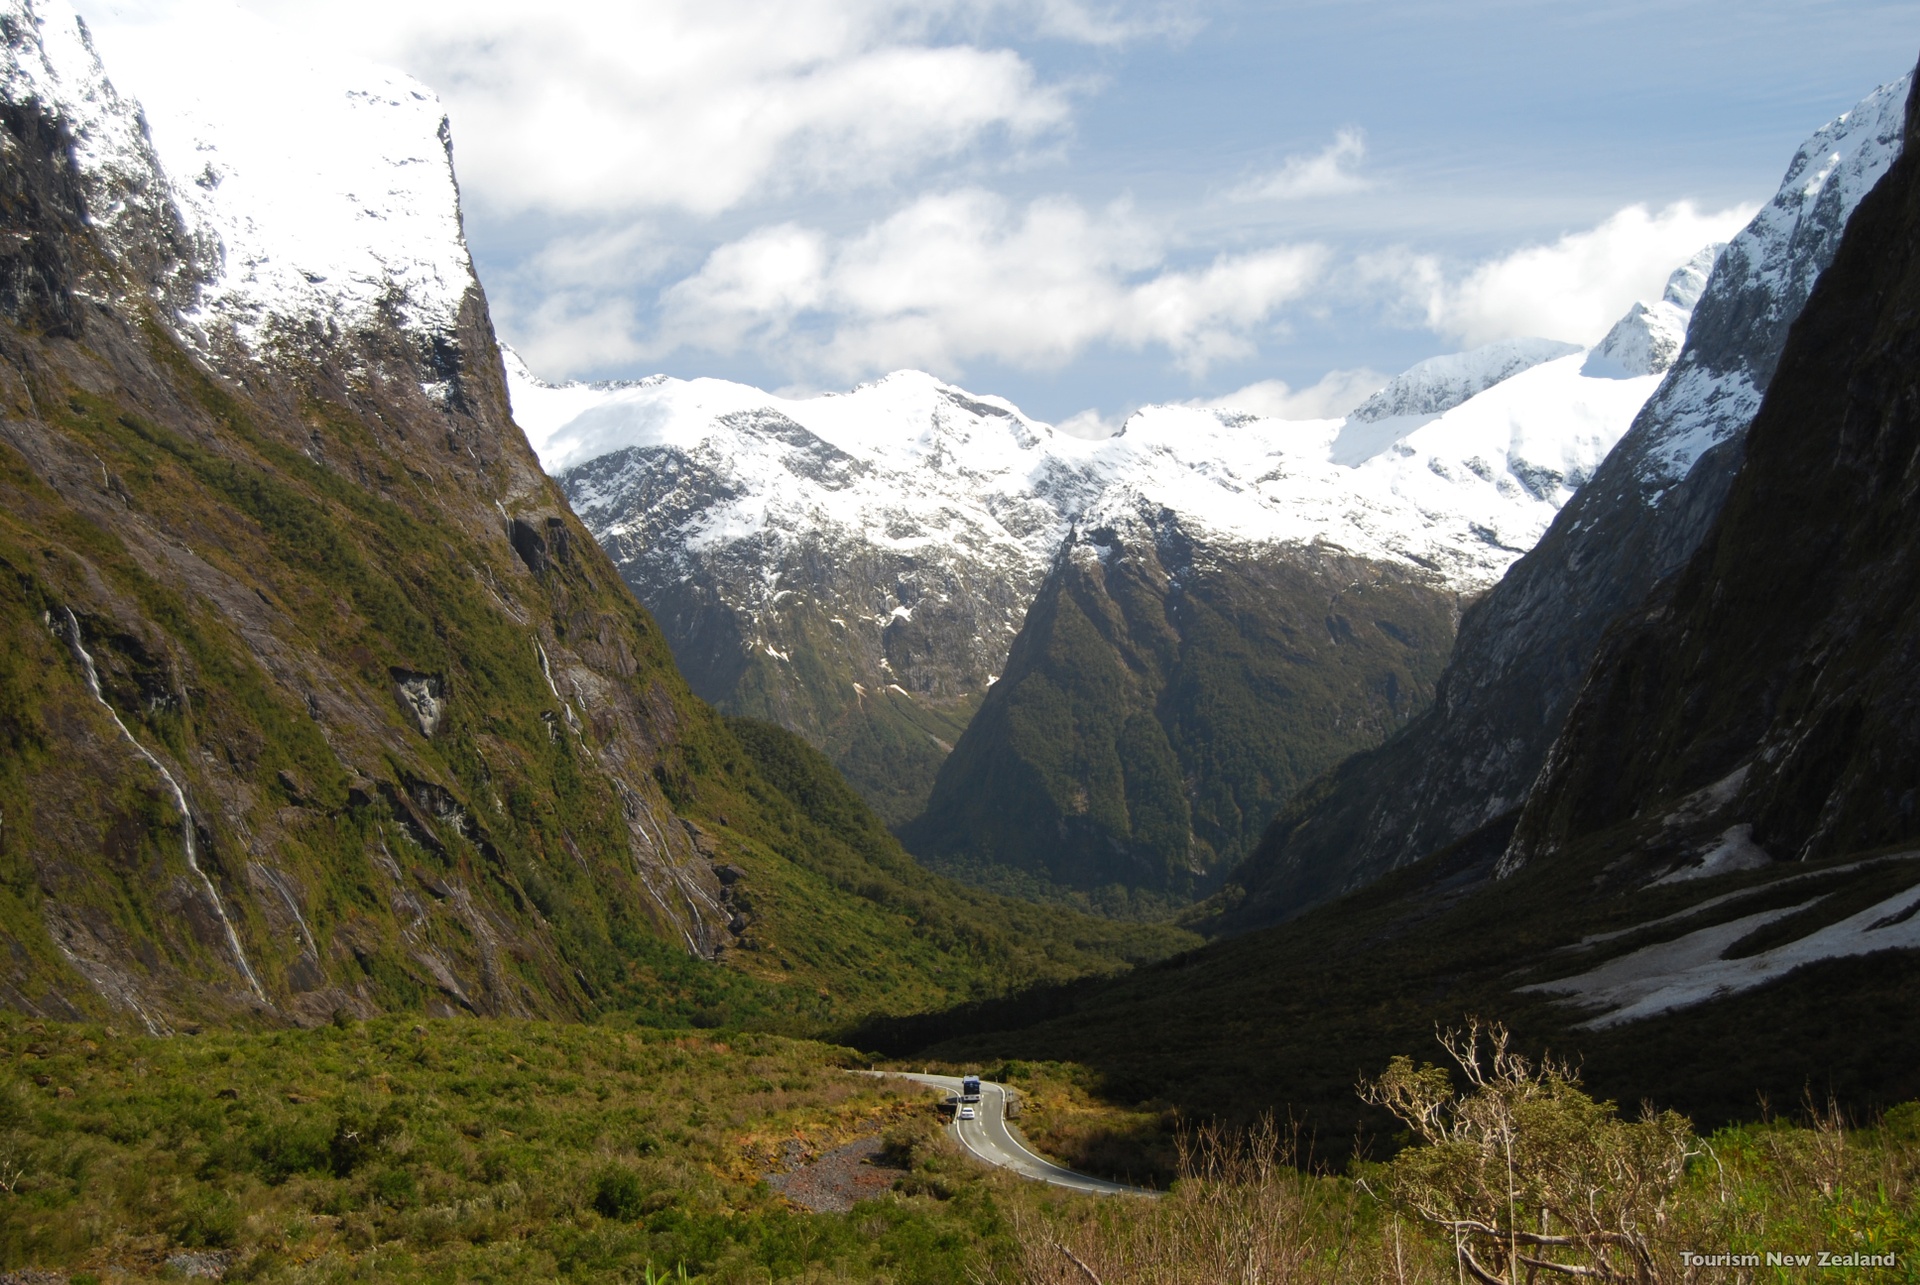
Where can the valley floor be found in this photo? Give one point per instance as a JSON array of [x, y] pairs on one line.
[[506, 1151]]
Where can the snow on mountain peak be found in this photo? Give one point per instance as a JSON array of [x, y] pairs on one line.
[[1441, 383], [1644, 342], [47, 57], [1758, 285], [320, 188], [1649, 338], [1689, 280], [911, 460]]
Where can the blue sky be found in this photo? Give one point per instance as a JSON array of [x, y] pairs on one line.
[[1085, 207]]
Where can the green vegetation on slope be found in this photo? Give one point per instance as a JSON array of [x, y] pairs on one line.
[[435, 756], [1162, 701], [889, 744], [1287, 1018], [494, 1150], [508, 1151], [498, 798], [995, 944]]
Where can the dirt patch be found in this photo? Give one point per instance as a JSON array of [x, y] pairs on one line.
[[838, 1180]]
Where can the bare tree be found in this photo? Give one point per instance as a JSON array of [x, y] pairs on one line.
[[1524, 1172]]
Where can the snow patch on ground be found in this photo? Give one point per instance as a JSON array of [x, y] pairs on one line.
[[1734, 850], [1689, 969]]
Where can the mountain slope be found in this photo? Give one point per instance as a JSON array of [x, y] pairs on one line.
[[1775, 672], [1165, 696], [316, 696], [812, 562], [1712, 892], [855, 566], [1523, 648], [1185, 670]]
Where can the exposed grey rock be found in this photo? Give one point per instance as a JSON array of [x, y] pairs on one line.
[[1523, 650]]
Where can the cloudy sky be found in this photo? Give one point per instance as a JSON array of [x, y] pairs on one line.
[[1089, 206]]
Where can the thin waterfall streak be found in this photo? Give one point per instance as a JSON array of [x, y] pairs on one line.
[[279, 882], [546, 669], [179, 799]]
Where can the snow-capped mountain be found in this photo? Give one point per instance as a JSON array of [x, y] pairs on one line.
[[316, 191], [1441, 383], [1524, 649], [1649, 338], [260, 276], [856, 565]]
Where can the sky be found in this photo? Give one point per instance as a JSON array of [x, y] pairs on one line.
[[1087, 207]]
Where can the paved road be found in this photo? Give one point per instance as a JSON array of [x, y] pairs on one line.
[[990, 1139]]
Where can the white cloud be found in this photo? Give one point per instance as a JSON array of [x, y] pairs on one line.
[[1090, 425], [1328, 172], [965, 275], [1336, 393], [1572, 289], [1108, 24], [602, 106]]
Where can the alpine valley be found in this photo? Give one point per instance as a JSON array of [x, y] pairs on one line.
[[1094, 667], [1660, 815], [459, 826]]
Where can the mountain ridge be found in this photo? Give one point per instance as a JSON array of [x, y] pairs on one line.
[[1524, 647], [856, 566]]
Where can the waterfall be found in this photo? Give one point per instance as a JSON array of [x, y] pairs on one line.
[[546, 669], [81, 654]]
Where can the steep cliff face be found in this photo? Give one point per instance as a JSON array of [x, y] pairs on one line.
[[315, 694], [275, 660], [1768, 694], [1166, 694], [1523, 649]]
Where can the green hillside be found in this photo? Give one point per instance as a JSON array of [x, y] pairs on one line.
[[434, 755], [1163, 700], [1286, 1019]]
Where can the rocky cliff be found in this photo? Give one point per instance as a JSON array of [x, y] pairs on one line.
[[316, 697], [1763, 705], [1469, 761]]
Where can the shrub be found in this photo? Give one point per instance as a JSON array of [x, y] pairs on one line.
[[619, 1195], [204, 1217], [1524, 1172]]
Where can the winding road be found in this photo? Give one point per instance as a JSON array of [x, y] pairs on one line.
[[990, 1139]]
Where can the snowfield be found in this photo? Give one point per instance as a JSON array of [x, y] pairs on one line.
[[1690, 970]]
